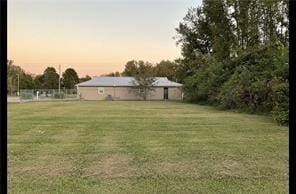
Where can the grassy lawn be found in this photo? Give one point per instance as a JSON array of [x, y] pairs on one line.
[[143, 147]]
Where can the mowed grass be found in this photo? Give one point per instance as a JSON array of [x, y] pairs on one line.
[[143, 147]]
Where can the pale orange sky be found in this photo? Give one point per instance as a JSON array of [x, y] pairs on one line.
[[93, 37]]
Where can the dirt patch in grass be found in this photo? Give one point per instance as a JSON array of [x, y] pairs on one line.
[[66, 135], [112, 166], [45, 166], [201, 168], [229, 168], [184, 168]]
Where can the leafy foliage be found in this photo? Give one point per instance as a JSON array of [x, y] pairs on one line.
[[60, 95], [205, 84], [131, 68], [47, 80], [50, 78], [70, 78], [14, 73], [235, 55], [165, 69], [144, 79]]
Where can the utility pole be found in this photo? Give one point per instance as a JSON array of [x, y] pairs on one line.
[[59, 78], [18, 83]]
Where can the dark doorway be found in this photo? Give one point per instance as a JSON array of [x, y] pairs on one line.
[[166, 93]]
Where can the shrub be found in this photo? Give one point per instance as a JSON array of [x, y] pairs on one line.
[[60, 95], [280, 99], [205, 84], [246, 90], [26, 95]]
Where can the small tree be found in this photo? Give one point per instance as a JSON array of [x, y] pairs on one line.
[[144, 79]]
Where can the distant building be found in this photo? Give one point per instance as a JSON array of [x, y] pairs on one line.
[[123, 88]]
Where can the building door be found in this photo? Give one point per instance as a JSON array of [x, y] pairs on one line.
[[165, 93]]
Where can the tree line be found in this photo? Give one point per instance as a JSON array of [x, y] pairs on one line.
[[48, 80], [235, 55], [164, 68]]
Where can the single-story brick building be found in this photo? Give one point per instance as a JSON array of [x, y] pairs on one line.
[[123, 88]]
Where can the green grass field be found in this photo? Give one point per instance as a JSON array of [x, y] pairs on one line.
[[143, 147]]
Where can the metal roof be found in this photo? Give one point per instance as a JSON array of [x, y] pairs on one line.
[[125, 81]]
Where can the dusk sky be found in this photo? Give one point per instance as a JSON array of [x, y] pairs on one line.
[[93, 36]]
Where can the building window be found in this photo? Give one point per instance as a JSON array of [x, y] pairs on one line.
[[100, 90], [141, 90]]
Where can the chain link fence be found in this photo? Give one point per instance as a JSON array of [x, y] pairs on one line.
[[47, 94]]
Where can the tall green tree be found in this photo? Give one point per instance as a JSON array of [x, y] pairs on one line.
[[50, 78], [221, 34], [70, 78], [194, 37], [38, 81], [27, 81], [166, 69], [16, 75], [12, 77], [131, 68], [232, 53]]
